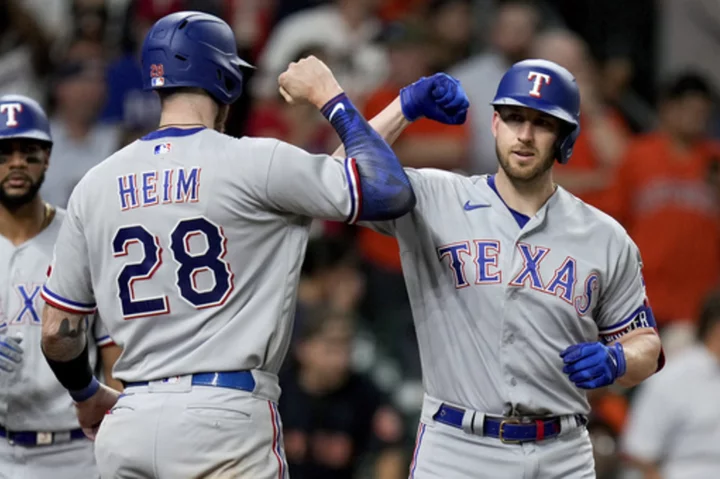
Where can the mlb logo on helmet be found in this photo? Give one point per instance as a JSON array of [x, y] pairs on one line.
[[162, 148], [157, 74]]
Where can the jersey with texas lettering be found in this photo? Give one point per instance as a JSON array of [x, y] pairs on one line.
[[496, 298], [31, 398], [190, 244]]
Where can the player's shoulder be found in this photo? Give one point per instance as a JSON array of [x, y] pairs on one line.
[[436, 176], [434, 187], [108, 165], [575, 213]]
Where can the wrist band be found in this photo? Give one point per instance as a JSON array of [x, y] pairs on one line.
[[87, 392]]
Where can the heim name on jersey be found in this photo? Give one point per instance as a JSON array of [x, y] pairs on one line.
[[150, 188]]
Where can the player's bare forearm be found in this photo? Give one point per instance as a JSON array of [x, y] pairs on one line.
[[389, 124], [432, 152], [390, 464], [64, 335], [109, 355], [642, 351]]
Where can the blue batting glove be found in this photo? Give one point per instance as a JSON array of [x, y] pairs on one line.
[[10, 353], [439, 97], [594, 365]]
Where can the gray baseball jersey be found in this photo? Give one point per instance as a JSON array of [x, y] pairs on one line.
[[495, 303], [189, 243], [31, 399]]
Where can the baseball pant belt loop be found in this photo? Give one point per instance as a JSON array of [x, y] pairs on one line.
[[241, 380], [510, 430], [40, 438]]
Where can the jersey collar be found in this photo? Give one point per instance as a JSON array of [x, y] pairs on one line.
[[171, 132]]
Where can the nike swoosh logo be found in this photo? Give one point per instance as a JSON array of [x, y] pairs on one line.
[[336, 109], [469, 207]]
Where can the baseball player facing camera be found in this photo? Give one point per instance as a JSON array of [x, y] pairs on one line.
[[39, 434], [190, 243], [523, 296]]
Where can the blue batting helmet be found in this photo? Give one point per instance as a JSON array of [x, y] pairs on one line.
[[193, 49], [23, 117], [547, 87]]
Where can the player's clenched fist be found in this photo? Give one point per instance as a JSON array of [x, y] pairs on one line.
[[439, 97], [308, 80], [593, 365]]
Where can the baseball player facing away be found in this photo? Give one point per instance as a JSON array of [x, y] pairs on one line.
[[190, 243], [523, 296], [39, 433]]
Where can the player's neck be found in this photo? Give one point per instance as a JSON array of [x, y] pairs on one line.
[[188, 110], [526, 198], [24, 223]]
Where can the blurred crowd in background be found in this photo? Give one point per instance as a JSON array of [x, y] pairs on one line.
[[648, 155]]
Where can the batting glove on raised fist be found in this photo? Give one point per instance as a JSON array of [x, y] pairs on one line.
[[594, 365], [10, 353], [439, 97]]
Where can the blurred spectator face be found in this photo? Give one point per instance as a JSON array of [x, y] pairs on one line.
[[408, 53], [84, 50], [80, 92], [407, 63], [567, 50], [366, 6], [453, 22], [22, 170], [327, 352], [524, 141], [689, 115], [514, 29], [90, 19]]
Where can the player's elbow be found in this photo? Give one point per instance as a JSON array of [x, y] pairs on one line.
[[406, 202], [398, 204]]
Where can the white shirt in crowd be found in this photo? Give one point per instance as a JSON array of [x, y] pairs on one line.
[[675, 418]]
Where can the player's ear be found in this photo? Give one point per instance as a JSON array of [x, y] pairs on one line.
[[46, 157], [495, 123]]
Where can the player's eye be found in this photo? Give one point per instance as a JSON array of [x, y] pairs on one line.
[[545, 123], [513, 118]]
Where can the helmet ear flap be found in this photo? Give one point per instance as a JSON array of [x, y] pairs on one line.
[[566, 142]]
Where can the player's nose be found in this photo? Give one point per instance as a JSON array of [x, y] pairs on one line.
[[525, 131], [15, 159]]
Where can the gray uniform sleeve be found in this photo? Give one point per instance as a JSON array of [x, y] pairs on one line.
[[69, 286], [317, 186], [651, 421], [100, 333], [623, 305]]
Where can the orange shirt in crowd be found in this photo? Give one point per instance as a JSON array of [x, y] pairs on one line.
[[585, 160], [376, 248], [667, 200], [397, 10]]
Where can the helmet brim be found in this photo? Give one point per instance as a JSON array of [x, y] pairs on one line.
[[539, 105]]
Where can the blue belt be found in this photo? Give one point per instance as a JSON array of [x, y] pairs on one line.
[[35, 438], [242, 380], [510, 430]]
